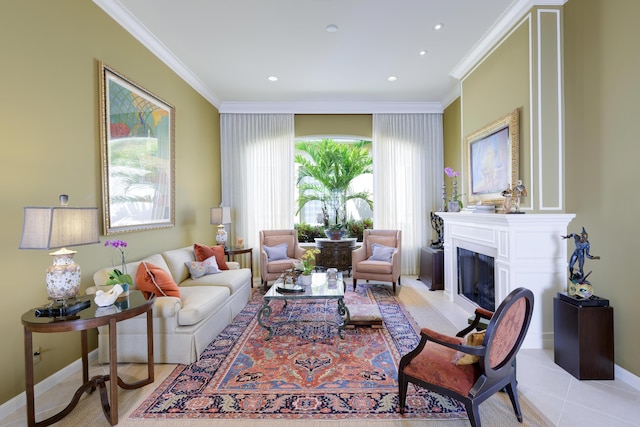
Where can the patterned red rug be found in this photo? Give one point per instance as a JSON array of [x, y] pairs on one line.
[[305, 370]]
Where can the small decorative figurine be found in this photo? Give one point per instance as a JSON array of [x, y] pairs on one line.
[[437, 224], [519, 191], [579, 285], [107, 298], [508, 199]]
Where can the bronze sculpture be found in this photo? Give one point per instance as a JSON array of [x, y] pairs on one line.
[[579, 285]]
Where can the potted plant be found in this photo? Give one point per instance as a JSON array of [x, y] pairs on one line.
[[455, 204], [335, 231], [119, 276], [306, 265]]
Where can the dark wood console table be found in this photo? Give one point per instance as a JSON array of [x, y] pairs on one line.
[[432, 268], [335, 253], [89, 318], [583, 340]]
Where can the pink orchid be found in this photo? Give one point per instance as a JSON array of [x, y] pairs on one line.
[[450, 172]]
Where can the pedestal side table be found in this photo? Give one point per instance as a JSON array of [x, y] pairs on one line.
[[432, 268], [583, 340], [89, 318]]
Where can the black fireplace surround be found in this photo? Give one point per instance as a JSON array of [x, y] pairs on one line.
[[476, 278]]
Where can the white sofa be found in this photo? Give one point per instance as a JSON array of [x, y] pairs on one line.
[[182, 327]]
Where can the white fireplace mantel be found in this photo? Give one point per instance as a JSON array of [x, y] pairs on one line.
[[528, 251]]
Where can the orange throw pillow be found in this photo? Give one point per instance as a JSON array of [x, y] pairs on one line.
[[153, 280], [203, 252]]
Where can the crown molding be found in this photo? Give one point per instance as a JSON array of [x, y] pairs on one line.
[[330, 107], [451, 96], [122, 16], [131, 24], [509, 18]]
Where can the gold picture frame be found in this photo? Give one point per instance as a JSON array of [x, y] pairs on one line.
[[138, 156], [493, 159]]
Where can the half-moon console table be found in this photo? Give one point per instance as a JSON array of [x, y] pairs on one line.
[[85, 319]]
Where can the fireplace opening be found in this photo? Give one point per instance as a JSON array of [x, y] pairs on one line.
[[476, 278]]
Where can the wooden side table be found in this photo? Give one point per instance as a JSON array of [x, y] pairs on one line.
[[583, 340], [335, 253], [432, 268], [89, 318], [229, 252]]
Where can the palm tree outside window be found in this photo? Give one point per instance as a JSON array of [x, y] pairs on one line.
[[334, 181]]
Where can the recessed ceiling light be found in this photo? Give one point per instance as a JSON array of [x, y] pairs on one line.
[[332, 28], [438, 26], [392, 78], [423, 52], [272, 78]]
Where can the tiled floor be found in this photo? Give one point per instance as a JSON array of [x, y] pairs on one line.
[[566, 401]]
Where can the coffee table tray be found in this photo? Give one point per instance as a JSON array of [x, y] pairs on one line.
[[294, 290]]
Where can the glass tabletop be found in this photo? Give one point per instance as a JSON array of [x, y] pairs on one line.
[[320, 288]]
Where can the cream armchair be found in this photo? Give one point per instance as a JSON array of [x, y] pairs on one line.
[[378, 262], [271, 267]]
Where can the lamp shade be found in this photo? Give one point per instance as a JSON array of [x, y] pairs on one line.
[[57, 227], [221, 215]]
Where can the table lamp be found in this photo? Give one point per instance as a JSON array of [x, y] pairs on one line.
[[221, 216], [60, 227]]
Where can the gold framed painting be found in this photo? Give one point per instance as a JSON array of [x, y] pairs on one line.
[[492, 159], [138, 156]]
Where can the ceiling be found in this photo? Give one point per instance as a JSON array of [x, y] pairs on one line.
[[227, 49]]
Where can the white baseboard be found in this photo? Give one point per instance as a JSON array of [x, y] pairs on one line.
[[626, 376], [20, 401]]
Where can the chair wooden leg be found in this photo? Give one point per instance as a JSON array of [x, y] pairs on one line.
[[473, 413], [394, 287], [512, 391], [355, 283], [402, 391]]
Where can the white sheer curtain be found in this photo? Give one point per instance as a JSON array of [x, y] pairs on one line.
[[407, 178], [257, 174]]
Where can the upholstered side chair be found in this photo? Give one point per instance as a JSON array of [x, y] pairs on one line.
[[472, 370], [379, 257], [274, 259]]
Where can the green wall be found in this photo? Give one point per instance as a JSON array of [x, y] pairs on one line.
[[356, 125], [452, 137], [496, 87], [49, 124], [585, 165], [602, 66]]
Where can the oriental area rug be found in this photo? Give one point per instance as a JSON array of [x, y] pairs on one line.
[[304, 371]]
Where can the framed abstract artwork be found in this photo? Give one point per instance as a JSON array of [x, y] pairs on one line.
[[493, 156], [138, 156]]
